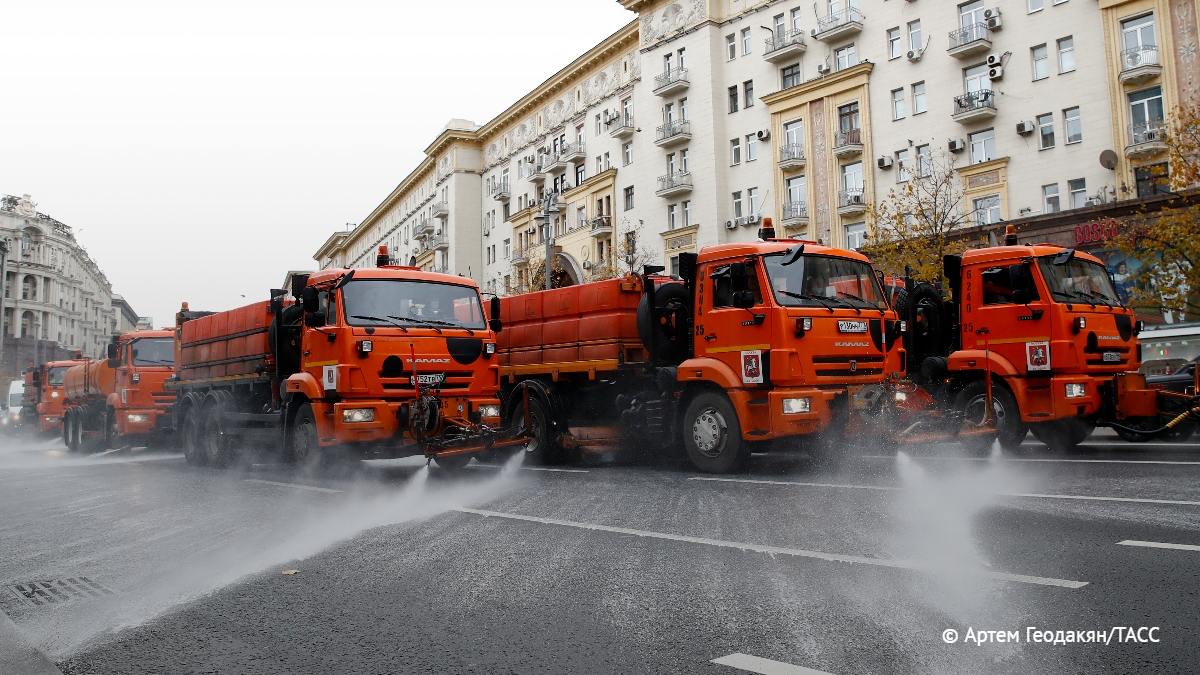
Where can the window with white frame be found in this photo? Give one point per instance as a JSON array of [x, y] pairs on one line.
[[1072, 125], [627, 153], [1066, 54], [1138, 36], [856, 235], [1050, 203], [737, 204], [683, 160], [672, 216], [919, 104], [1045, 125], [730, 47], [982, 145], [1036, 5], [795, 16], [914, 35], [924, 160], [753, 201], [686, 213], [903, 167], [894, 47], [1039, 56], [793, 133], [852, 177], [746, 46], [735, 151], [796, 190], [845, 57], [628, 197], [987, 210], [1077, 187], [751, 147], [898, 104]]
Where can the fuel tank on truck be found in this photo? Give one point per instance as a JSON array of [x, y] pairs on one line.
[[94, 378]]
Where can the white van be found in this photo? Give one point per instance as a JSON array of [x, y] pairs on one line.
[[12, 409]]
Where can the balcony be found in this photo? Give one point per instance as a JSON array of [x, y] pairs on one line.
[[555, 163], [423, 228], [500, 191], [437, 241], [839, 25], [848, 144], [1140, 64], [1146, 140], [851, 202], [794, 214], [601, 226], [783, 46], [674, 184], [969, 41], [673, 133], [671, 81], [440, 210], [537, 173], [791, 156], [622, 127], [974, 106], [574, 152], [520, 257]]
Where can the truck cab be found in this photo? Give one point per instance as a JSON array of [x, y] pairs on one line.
[[50, 395], [143, 361]]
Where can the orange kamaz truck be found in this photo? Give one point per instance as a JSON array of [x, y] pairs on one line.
[[752, 345], [1040, 332], [121, 400], [379, 362], [48, 381]]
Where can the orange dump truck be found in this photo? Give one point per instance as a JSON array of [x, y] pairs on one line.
[[758, 344], [379, 362], [120, 400], [48, 395]]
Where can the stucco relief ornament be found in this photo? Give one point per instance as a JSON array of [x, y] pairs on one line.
[[25, 207]]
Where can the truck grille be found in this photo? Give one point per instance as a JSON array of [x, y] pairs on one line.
[[455, 381], [848, 365]]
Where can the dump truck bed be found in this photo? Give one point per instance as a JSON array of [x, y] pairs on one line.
[[230, 343]]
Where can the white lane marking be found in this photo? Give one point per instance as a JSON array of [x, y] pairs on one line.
[[1159, 544], [772, 550], [1030, 459], [1028, 495], [529, 468], [757, 664], [298, 486]]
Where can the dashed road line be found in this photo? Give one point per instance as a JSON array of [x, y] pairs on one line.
[[298, 486], [529, 468], [1034, 459], [757, 664], [773, 550], [1159, 544], [893, 488]]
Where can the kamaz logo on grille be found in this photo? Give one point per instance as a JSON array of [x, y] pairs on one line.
[[852, 326], [429, 360]]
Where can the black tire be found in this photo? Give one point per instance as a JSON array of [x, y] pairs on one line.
[[712, 435], [189, 436], [971, 402], [111, 436], [669, 345], [453, 462], [304, 447], [69, 431], [540, 449], [214, 440], [1062, 435]]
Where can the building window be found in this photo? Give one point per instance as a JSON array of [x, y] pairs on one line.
[[627, 153], [672, 216], [1078, 190], [795, 14], [1152, 180], [737, 204], [852, 178], [791, 76], [1066, 55], [751, 147], [1036, 5], [918, 98], [580, 173], [894, 48], [629, 198], [924, 161], [793, 134], [1145, 111], [1139, 41], [753, 201], [914, 35], [1072, 125], [1050, 202], [976, 79], [745, 41], [1045, 125], [796, 190], [735, 152], [987, 210], [747, 93], [686, 212], [730, 47], [848, 117], [983, 146], [898, 111], [845, 57], [1040, 56], [903, 169], [733, 99], [856, 235]]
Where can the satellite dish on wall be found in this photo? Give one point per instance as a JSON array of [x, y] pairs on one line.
[[1108, 159]]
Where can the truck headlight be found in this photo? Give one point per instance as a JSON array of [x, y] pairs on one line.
[[490, 410], [136, 418], [901, 397], [358, 415], [54, 394], [793, 406], [1075, 390]]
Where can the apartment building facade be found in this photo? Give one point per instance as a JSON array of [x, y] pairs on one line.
[[699, 117]]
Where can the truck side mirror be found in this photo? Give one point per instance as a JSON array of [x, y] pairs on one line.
[[311, 300], [739, 277], [1020, 280], [494, 322], [314, 319]]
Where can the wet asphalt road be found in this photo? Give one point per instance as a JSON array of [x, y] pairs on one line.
[[605, 569]]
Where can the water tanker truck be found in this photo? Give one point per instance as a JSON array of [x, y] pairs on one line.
[[121, 400], [378, 362], [755, 345], [48, 395]]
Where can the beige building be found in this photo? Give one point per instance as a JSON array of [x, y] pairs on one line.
[[699, 117]]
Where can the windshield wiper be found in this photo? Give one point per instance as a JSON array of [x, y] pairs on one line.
[[368, 317], [805, 296], [1078, 295], [153, 362]]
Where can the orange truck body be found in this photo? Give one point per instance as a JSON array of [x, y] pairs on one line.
[[121, 398], [366, 380], [50, 396], [787, 368]]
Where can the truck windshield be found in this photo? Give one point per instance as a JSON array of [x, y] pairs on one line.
[[391, 302], [14, 400], [154, 352], [1078, 281], [55, 376], [819, 280]]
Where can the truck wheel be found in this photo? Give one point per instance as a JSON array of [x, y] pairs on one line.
[[1010, 431], [538, 449], [111, 435], [213, 440], [189, 436], [712, 434], [1062, 435], [69, 431], [304, 446]]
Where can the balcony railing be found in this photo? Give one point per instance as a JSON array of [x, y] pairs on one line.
[[1147, 138], [969, 39], [975, 104], [500, 190], [440, 210], [839, 23], [791, 154], [621, 127], [847, 142], [571, 152], [1140, 64], [677, 130], [601, 224], [678, 181], [793, 211], [852, 200], [784, 44], [671, 81]]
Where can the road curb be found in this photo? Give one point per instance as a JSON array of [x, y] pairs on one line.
[[18, 656]]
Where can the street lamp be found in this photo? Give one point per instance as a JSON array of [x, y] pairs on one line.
[[549, 210]]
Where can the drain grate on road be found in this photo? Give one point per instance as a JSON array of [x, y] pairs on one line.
[[58, 591]]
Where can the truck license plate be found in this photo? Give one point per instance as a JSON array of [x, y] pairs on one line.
[[429, 379], [852, 326], [1111, 357]]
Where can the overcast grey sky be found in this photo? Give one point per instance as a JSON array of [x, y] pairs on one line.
[[202, 149]]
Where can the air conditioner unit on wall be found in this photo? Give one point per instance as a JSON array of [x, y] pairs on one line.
[[1025, 128], [915, 55], [996, 73], [750, 220], [994, 60], [822, 69], [884, 162], [730, 225], [993, 22], [764, 135], [956, 145]]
